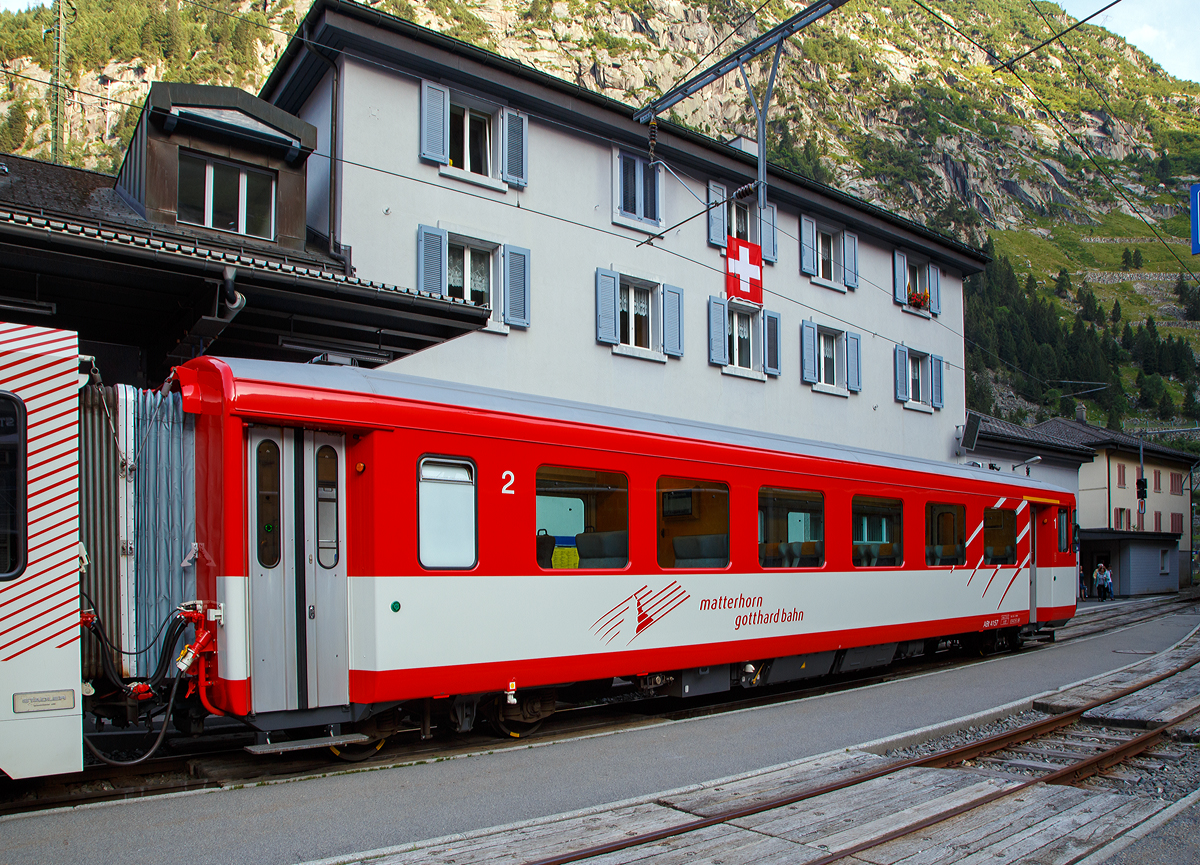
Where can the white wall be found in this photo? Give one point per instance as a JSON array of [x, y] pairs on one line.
[[564, 217]]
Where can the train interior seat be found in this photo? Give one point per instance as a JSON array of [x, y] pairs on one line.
[[807, 554], [603, 549], [545, 549], [701, 551], [885, 555]]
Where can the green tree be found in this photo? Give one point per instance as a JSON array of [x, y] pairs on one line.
[[1126, 259], [1191, 407], [1166, 406], [15, 127], [1137, 259], [1062, 283], [1116, 313]]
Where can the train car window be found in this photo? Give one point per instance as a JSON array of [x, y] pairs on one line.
[[327, 506], [693, 523], [446, 514], [791, 528], [999, 537], [1064, 530], [266, 460], [13, 516], [876, 532], [945, 534], [582, 519]]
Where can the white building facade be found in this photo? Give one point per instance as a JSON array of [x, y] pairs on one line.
[[466, 174]]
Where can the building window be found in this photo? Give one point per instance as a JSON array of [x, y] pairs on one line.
[[470, 140], [876, 530], [791, 528], [636, 305], [738, 219], [227, 197], [827, 359], [827, 265], [1141, 522], [582, 519], [1122, 519], [13, 516], [1157, 480], [1177, 523], [828, 254], [1158, 521], [918, 379], [1176, 484], [469, 273], [1164, 561], [917, 364], [741, 326], [637, 189], [1121, 476]]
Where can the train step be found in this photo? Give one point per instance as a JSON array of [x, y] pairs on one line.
[[307, 744]]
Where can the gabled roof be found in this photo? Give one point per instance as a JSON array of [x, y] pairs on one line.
[[1099, 437], [993, 429]]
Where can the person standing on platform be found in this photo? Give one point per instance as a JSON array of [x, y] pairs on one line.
[[1100, 581]]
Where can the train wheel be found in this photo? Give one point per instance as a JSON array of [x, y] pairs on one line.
[[357, 753], [517, 729]]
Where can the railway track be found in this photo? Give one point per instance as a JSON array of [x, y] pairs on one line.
[[209, 767]]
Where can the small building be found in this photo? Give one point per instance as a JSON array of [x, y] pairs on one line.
[[1148, 549], [1007, 447]]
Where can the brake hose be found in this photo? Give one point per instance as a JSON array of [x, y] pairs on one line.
[[157, 742]]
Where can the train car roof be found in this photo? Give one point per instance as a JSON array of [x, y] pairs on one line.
[[385, 383]]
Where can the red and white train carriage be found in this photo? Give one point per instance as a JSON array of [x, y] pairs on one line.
[[372, 546]]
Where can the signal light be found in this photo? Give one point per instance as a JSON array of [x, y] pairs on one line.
[[1141, 488]]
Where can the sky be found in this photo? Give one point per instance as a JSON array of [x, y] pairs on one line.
[[1165, 29]]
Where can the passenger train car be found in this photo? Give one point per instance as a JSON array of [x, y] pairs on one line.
[[375, 550]]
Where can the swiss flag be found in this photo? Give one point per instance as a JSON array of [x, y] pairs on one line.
[[743, 271]]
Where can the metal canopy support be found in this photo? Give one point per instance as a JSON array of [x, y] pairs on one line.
[[722, 68], [773, 38], [761, 111]]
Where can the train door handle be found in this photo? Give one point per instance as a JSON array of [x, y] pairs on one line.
[[312, 611]]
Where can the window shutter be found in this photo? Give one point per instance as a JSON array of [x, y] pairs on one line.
[[432, 253], [808, 246], [808, 352], [935, 381], [935, 289], [718, 231], [853, 362], [515, 161], [718, 315], [435, 122], [901, 374], [606, 306], [672, 321], [850, 259], [900, 277], [767, 235], [770, 342], [516, 286]]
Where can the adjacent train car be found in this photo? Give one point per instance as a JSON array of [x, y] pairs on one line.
[[374, 550]]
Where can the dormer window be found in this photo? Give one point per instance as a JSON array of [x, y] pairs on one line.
[[225, 196]]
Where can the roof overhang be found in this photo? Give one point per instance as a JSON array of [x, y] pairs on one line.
[[1129, 536]]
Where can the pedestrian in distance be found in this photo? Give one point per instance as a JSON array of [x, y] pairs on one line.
[[1100, 581]]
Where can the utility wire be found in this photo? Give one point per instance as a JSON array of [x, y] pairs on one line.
[[1079, 144], [1055, 38]]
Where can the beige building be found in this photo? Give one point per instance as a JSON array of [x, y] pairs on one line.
[[1149, 550]]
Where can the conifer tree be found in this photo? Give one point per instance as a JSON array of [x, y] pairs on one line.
[[1116, 312], [1126, 259], [1137, 259]]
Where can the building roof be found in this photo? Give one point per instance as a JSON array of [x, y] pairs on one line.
[[993, 429], [338, 25], [74, 255], [1096, 437]]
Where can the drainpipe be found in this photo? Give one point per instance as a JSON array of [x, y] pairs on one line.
[[336, 251]]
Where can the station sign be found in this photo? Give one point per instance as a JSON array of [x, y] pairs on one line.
[[744, 271]]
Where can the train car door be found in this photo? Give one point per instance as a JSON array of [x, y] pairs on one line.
[[1033, 563], [299, 641]]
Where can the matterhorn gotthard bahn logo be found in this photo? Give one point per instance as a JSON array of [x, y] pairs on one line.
[[637, 612]]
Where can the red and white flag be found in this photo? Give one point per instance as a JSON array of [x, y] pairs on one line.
[[743, 271]]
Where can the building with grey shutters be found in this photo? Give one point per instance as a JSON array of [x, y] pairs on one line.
[[471, 176]]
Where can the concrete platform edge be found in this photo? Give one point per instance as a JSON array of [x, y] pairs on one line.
[[1141, 830]]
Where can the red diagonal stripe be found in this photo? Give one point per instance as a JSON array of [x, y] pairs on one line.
[[34, 618], [39, 642]]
